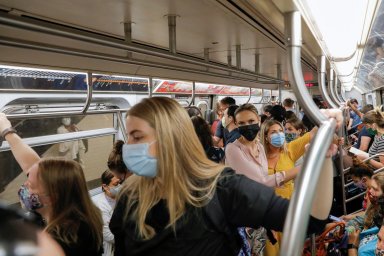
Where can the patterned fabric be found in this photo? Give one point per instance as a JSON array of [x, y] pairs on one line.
[[253, 241], [368, 240]]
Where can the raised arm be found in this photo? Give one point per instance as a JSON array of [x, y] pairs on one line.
[[24, 154]]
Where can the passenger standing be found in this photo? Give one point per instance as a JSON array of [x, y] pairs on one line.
[[115, 162], [220, 130], [246, 155], [288, 104], [106, 203], [229, 124], [71, 150], [178, 202], [56, 191], [219, 116], [281, 156], [202, 130]]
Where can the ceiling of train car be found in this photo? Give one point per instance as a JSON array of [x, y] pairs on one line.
[[200, 24]]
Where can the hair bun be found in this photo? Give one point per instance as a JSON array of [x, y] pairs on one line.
[[118, 147]]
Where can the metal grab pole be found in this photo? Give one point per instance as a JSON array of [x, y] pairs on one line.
[[336, 92], [89, 93], [296, 222], [192, 103], [331, 89], [321, 78], [250, 95], [341, 166]]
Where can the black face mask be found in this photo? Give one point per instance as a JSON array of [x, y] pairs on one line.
[[249, 132]]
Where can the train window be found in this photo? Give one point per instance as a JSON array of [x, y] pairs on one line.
[[93, 157], [49, 126]]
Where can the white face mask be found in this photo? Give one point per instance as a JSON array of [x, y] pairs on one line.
[[66, 121]]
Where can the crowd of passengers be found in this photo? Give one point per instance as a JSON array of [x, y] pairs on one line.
[[179, 186]]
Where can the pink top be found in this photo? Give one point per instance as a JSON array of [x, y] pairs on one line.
[[239, 158]]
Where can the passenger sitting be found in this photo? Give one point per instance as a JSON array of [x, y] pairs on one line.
[[106, 203], [361, 179], [56, 191], [364, 239], [374, 122], [203, 133], [365, 139], [178, 202], [116, 163]]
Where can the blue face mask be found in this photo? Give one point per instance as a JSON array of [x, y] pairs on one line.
[[278, 139], [30, 202], [137, 159]]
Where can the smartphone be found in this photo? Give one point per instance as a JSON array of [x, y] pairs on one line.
[[334, 218]]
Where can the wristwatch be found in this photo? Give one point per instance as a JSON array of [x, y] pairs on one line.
[[8, 131], [352, 246]]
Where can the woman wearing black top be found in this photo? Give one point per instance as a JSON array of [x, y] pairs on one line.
[[56, 190], [178, 202]]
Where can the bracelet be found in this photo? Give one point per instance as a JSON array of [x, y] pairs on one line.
[[352, 246], [8, 131]]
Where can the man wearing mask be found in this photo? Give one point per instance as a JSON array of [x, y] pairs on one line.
[[228, 122], [221, 132]]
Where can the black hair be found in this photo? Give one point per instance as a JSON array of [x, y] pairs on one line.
[[278, 113], [288, 102], [263, 118], [106, 177], [203, 131], [360, 172], [228, 101], [267, 108], [231, 111]]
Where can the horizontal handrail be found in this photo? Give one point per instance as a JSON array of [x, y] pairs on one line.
[[58, 138], [64, 114]]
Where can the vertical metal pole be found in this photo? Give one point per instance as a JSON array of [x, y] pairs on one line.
[[172, 33], [128, 35], [238, 56], [89, 92], [150, 87], [331, 88], [121, 126], [257, 63], [278, 74], [297, 218], [229, 60], [336, 92], [206, 56], [321, 78], [249, 95], [192, 103]]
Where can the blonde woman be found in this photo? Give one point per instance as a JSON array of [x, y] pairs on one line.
[[165, 207], [56, 191], [281, 156]]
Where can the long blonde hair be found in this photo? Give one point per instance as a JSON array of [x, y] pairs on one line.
[[185, 176], [71, 204], [264, 135]]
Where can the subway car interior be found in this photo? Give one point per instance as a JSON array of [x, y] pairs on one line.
[[90, 61]]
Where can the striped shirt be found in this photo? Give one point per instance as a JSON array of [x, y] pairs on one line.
[[377, 147]]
